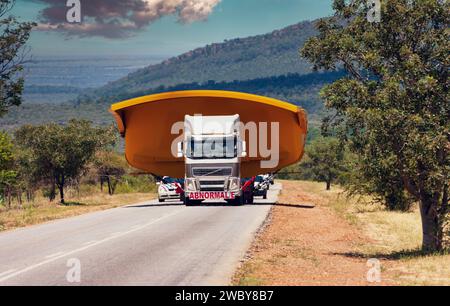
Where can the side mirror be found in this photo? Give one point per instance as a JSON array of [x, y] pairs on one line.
[[244, 149], [180, 150]]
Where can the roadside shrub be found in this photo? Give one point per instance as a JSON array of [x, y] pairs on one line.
[[141, 184]]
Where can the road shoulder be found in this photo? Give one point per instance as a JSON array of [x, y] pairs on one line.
[[306, 243]]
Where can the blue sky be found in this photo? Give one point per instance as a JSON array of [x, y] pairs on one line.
[[167, 36]]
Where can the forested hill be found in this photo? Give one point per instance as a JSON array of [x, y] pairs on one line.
[[302, 90], [261, 56]]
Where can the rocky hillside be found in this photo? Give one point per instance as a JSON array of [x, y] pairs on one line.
[[261, 56]]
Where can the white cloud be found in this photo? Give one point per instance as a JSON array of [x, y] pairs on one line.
[[121, 18]]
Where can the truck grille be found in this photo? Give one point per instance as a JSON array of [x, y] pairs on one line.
[[211, 171], [211, 188], [212, 185]]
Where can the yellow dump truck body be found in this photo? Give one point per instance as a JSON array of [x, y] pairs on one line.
[[146, 123]]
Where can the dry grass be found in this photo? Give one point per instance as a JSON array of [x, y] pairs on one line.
[[393, 237], [306, 243], [41, 210], [396, 238]]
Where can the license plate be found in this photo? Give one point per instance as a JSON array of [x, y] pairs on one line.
[[212, 195]]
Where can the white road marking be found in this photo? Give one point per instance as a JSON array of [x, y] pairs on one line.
[[53, 259], [54, 255], [116, 234], [90, 242], [7, 272]]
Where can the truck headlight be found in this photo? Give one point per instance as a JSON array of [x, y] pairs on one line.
[[234, 184], [191, 184]]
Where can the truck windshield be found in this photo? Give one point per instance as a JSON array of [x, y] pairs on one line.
[[212, 148]]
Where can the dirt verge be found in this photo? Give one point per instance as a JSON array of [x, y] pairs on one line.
[[306, 243]]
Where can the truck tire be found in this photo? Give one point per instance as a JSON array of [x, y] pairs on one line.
[[188, 202], [161, 200], [265, 196], [238, 201]]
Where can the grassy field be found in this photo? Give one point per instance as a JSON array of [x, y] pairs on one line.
[[291, 250], [86, 200]]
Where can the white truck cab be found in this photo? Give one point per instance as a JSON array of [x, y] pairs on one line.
[[212, 149]]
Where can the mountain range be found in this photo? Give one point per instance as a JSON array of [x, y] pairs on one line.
[[268, 65], [241, 59]]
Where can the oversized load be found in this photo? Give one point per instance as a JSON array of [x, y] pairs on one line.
[[274, 131]]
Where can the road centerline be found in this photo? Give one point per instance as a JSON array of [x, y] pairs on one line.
[[55, 254], [7, 272]]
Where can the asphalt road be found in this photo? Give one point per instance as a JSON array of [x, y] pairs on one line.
[[143, 244]]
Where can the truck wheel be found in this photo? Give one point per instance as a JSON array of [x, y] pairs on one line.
[[161, 200], [239, 201], [251, 199], [188, 202], [265, 196]]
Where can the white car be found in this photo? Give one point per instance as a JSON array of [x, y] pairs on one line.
[[169, 189]]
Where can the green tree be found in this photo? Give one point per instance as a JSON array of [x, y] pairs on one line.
[[62, 153], [393, 106], [7, 173], [325, 161], [110, 167], [13, 36], [28, 179], [383, 182]]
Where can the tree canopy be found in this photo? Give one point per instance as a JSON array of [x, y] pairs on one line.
[[7, 173], [62, 152], [13, 36], [110, 167], [325, 161], [393, 108]]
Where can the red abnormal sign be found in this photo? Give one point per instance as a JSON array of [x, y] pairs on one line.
[[212, 195]]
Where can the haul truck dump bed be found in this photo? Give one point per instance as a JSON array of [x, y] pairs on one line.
[[153, 125]]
